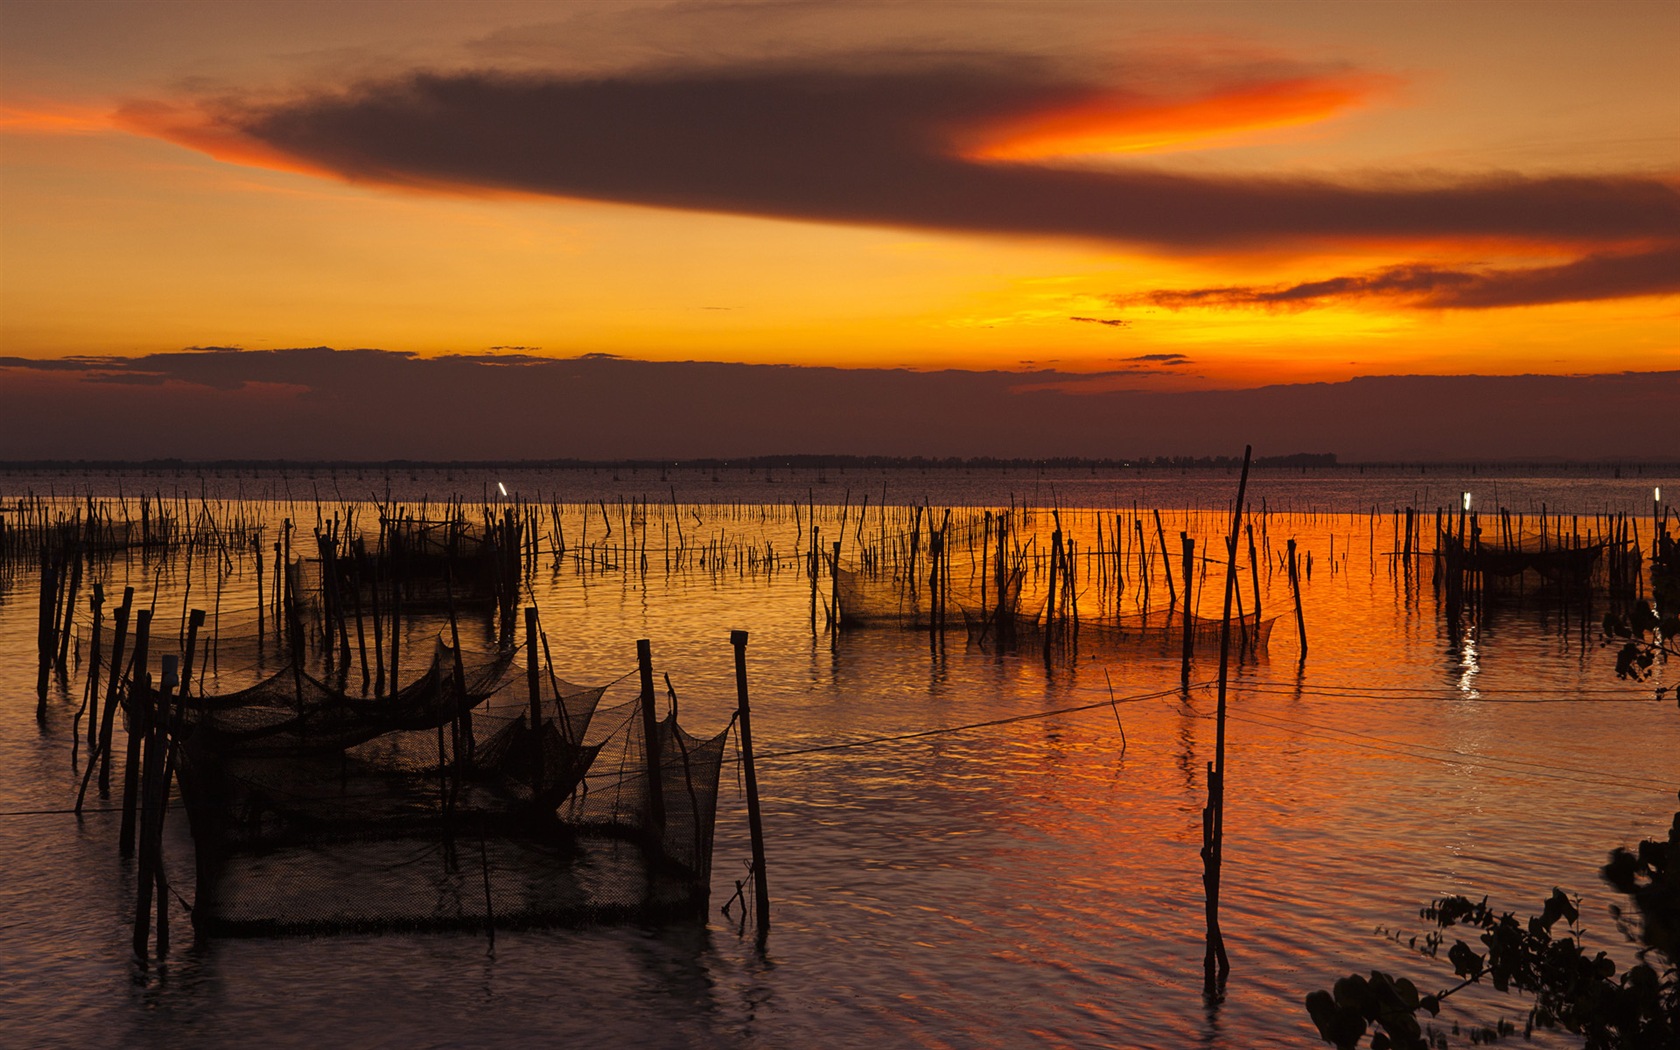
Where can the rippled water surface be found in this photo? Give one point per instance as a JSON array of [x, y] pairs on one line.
[[1031, 882]]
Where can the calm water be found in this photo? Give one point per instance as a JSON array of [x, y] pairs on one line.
[[1035, 883]]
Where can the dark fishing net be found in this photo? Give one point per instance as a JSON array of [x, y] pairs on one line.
[[903, 601], [1156, 632], [318, 806]]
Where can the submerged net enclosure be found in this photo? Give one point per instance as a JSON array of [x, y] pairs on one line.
[[344, 763], [314, 810], [1158, 632]]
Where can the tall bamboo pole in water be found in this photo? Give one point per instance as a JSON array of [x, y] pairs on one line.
[[1213, 819], [1189, 631], [755, 820], [655, 837]]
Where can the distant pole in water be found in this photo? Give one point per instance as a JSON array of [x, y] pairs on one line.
[[834, 589], [1050, 591], [47, 607], [113, 686], [811, 563], [1189, 635], [98, 604], [1166, 565], [1295, 588], [755, 820], [532, 681], [1254, 576]]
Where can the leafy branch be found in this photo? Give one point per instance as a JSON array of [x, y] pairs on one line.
[[1571, 989]]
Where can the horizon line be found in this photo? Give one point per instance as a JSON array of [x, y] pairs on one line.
[[823, 461]]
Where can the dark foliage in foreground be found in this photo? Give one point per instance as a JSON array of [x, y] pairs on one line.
[[1571, 989]]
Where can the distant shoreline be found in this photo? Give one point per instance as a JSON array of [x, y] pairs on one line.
[[1327, 462]]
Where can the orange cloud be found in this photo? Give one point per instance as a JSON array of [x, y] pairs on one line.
[[54, 120], [216, 131], [195, 128], [1592, 277], [1122, 122]]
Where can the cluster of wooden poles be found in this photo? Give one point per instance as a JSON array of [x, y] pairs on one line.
[[153, 730], [156, 708], [1576, 559]]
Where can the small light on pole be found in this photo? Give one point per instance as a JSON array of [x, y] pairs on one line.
[[1467, 501], [502, 487]]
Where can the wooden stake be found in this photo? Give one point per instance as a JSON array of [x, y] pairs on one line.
[[93, 670], [137, 728], [113, 685], [141, 700], [1189, 546], [755, 822], [532, 680], [1213, 844], [1161, 535], [834, 590], [655, 841], [1295, 588]]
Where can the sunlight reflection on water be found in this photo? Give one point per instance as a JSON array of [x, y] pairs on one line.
[[1024, 884]]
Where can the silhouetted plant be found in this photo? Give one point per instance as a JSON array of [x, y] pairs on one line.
[[1651, 629], [1571, 989]]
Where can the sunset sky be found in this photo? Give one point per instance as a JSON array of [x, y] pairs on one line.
[[1178, 197]]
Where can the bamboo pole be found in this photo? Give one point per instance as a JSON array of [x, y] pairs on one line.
[[1161, 536], [1189, 546], [137, 728], [755, 820], [113, 685], [534, 684], [1213, 843], [94, 646], [1295, 589], [142, 700], [655, 838]]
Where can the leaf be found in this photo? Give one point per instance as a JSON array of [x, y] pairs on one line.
[[1465, 961], [1644, 617], [1338, 1024], [1625, 661]]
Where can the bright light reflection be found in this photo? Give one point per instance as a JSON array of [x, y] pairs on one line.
[[1471, 663], [1467, 501], [502, 487]]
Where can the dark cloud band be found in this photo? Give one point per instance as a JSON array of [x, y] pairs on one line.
[[369, 404], [878, 146], [1584, 280]]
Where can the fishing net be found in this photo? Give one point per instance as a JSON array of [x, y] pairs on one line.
[[313, 827], [888, 601], [1156, 632]]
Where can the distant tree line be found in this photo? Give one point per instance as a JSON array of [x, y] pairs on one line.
[[801, 461]]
